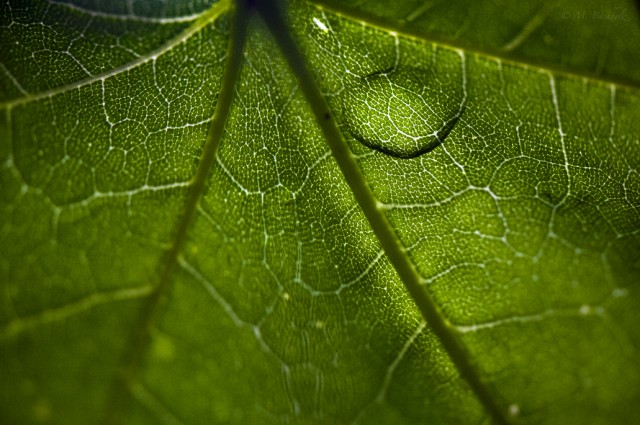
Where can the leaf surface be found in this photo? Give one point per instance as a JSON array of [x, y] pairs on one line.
[[166, 265], [587, 37]]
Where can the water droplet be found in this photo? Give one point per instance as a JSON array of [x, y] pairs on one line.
[[404, 111]]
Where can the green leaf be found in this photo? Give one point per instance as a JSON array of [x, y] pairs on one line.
[[356, 215]]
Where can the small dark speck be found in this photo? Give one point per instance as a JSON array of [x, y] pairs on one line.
[[327, 116]]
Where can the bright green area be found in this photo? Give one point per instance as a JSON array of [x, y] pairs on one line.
[[514, 189]]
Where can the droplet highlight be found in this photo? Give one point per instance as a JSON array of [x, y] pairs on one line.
[[404, 111]]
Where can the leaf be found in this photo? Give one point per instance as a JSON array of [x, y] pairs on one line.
[[187, 238]]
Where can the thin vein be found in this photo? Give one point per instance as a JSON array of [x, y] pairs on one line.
[[561, 134], [394, 365], [584, 310], [129, 17], [528, 29], [20, 325], [13, 79], [155, 406]]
